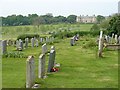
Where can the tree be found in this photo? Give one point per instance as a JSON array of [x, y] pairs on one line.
[[104, 24], [71, 18], [100, 18], [95, 27], [38, 21], [114, 25]]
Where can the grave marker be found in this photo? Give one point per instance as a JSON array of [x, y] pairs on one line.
[[51, 60], [116, 39], [4, 46], [100, 48], [41, 67], [26, 42], [44, 48], [32, 42], [72, 41], [119, 40], [30, 72]]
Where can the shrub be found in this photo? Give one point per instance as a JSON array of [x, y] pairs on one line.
[[90, 44], [13, 55], [23, 36]]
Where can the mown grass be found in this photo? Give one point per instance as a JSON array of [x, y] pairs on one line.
[[80, 67]]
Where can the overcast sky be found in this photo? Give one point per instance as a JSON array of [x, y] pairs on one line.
[[58, 7]]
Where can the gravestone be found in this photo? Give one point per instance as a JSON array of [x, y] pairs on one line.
[[47, 39], [119, 40], [112, 38], [21, 44], [41, 67], [44, 48], [26, 42], [72, 41], [52, 39], [17, 43], [116, 39], [106, 38], [30, 72], [37, 43], [51, 60], [41, 40], [4, 46], [100, 47], [32, 42]]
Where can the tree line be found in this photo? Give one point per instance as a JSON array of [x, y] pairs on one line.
[[34, 19]]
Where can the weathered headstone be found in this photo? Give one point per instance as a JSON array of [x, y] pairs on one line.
[[116, 39], [51, 60], [32, 42], [52, 39], [119, 40], [41, 40], [21, 44], [47, 39], [72, 41], [37, 43], [26, 42], [4, 46], [41, 67], [30, 72], [112, 38], [17, 43], [44, 48], [100, 48]]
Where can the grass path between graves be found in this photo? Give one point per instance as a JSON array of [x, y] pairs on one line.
[[80, 67]]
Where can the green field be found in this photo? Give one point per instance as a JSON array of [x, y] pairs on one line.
[[11, 32], [80, 66]]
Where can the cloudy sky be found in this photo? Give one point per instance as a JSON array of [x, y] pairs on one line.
[[58, 7]]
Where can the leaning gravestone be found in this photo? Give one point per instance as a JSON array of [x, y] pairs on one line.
[[51, 60], [41, 67], [100, 48], [72, 41], [4, 46], [30, 72], [44, 48]]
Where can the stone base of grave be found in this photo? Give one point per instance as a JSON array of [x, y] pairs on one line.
[[113, 46], [36, 86]]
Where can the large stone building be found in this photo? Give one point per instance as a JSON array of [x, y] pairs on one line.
[[119, 7], [86, 19]]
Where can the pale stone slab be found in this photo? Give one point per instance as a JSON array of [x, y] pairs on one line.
[[30, 72], [100, 47], [41, 67], [4, 46], [44, 48], [51, 60]]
